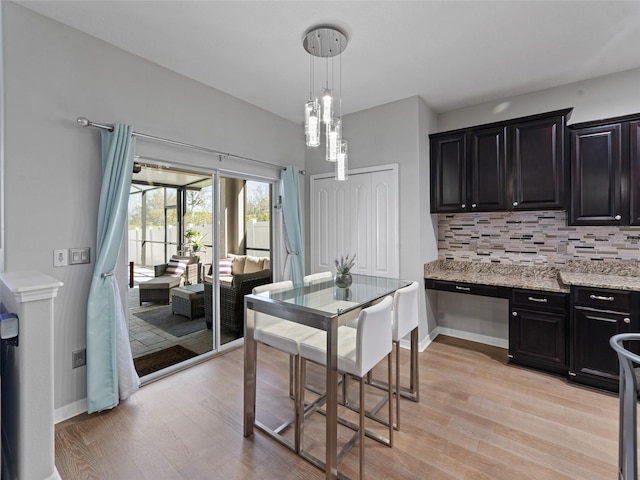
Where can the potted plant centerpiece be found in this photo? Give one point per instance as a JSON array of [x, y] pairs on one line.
[[343, 277]]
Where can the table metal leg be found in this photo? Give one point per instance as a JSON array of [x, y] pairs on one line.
[[332, 401], [250, 357], [414, 386]]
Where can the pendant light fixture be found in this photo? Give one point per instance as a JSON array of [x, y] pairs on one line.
[[326, 42]]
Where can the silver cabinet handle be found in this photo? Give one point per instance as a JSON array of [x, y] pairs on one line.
[[617, 217], [473, 205], [600, 297], [626, 320], [515, 204], [515, 314], [464, 205], [464, 289], [539, 300]]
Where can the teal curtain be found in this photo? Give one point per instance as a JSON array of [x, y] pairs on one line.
[[111, 375], [294, 264]]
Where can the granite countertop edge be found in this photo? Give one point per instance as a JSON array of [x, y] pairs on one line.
[[535, 277]]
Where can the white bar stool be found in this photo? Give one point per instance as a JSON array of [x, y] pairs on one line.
[[285, 336], [359, 350]]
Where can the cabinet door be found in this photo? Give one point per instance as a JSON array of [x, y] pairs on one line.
[[596, 176], [538, 338], [538, 166], [448, 174], [593, 359], [634, 179], [487, 165]]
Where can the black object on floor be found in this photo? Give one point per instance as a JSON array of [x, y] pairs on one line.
[[152, 362]]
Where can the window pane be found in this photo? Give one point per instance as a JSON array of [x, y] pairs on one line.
[[258, 218]]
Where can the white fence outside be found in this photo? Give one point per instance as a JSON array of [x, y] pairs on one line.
[[257, 234]]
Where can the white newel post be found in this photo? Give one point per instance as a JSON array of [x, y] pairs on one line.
[[28, 410]]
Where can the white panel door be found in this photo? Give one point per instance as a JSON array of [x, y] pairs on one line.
[[361, 225], [384, 229], [357, 216], [330, 225]]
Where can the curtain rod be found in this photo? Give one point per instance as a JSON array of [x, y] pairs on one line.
[[85, 122]]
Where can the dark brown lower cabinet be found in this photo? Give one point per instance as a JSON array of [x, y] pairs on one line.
[[538, 326], [597, 315]]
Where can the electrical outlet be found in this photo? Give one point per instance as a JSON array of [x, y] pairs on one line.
[[79, 358], [60, 258]]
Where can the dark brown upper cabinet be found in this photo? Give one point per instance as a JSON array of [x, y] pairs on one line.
[[514, 165], [488, 169], [538, 175], [449, 173], [596, 175], [605, 173], [634, 177]]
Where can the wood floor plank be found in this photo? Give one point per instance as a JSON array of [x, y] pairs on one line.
[[478, 418]]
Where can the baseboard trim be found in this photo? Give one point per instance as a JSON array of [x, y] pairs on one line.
[[473, 337], [71, 410], [423, 344]]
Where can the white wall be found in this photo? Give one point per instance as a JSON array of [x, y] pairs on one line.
[[393, 133], [53, 74], [603, 97]]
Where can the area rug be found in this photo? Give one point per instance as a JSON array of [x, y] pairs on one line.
[[176, 325], [152, 362]]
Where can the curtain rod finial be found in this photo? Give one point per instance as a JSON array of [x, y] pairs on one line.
[[83, 121]]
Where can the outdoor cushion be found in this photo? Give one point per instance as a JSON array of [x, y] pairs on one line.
[[176, 267], [253, 264], [225, 266], [165, 281], [188, 259], [237, 265]]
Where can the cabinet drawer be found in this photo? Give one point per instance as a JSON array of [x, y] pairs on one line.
[[469, 288], [539, 299], [604, 299]]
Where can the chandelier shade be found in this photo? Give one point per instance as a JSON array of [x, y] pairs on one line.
[[326, 42]]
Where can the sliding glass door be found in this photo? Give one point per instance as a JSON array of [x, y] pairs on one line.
[[178, 314], [170, 246]]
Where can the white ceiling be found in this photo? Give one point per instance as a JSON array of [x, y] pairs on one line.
[[450, 53]]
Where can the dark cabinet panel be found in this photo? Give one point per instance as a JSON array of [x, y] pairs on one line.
[[538, 164], [448, 174], [593, 361], [538, 330], [597, 182], [538, 338], [634, 179], [487, 163]]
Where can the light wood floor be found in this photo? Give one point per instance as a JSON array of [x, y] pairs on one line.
[[478, 418]]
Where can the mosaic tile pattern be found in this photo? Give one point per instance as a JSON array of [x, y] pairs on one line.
[[534, 238]]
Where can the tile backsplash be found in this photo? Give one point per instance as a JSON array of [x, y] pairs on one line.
[[538, 237]]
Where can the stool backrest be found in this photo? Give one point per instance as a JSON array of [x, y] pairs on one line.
[[317, 278], [273, 287], [263, 320], [405, 311], [373, 337]]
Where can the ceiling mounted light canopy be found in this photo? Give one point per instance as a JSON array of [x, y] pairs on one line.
[[326, 42]]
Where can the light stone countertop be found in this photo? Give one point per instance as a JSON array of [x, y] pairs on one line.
[[559, 278], [613, 282]]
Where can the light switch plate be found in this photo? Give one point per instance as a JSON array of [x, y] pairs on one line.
[[79, 255]]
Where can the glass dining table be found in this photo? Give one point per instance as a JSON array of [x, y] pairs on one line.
[[323, 306]]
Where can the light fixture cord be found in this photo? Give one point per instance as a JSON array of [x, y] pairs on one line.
[[340, 64]]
